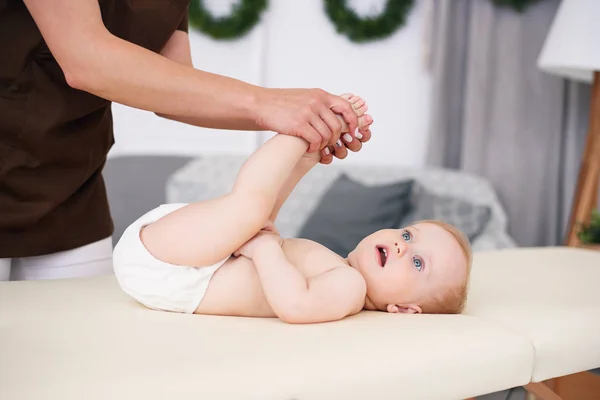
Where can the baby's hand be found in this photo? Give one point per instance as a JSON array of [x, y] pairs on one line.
[[267, 234]]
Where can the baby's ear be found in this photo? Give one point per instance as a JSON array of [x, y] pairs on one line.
[[405, 309]]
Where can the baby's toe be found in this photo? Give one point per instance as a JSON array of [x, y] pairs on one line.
[[361, 109], [364, 121], [359, 105]]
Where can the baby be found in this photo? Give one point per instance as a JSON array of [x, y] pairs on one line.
[[225, 257]]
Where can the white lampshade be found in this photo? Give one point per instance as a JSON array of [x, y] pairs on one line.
[[572, 47]]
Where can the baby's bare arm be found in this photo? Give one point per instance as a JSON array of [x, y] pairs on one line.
[[329, 296]]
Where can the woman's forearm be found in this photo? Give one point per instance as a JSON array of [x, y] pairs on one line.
[[96, 61], [128, 74]]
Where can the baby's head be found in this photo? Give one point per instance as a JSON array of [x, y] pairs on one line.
[[423, 268]]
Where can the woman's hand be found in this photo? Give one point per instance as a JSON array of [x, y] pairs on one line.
[[350, 142], [346, 142], [306, 113]]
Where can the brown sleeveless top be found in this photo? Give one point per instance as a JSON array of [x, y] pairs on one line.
[[54, 139]]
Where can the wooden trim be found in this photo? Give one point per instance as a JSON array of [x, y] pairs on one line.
[[579, 386], [586, 195], [542, 392]]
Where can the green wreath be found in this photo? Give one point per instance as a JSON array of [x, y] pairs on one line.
[[244, 16], [519, 5], [360, 29]]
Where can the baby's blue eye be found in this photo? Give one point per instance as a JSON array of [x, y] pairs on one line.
[[406, 236], [418, 263]]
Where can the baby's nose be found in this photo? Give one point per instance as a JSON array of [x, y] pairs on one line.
[[398, 247]]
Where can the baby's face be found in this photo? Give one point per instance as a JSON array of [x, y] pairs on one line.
[[405, 267]]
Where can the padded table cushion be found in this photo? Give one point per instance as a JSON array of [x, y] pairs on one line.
[[532, 314], [551, 295], [85, 339]]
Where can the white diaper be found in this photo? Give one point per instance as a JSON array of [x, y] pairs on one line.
[[156, 284]]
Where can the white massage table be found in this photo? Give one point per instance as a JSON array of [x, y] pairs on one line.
[[532, 314]]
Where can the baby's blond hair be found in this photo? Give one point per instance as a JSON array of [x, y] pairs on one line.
[[452, 300]]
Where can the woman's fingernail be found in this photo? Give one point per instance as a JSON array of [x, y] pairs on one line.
[[338, 144], [347, 137], [326, 151], [359, 135]]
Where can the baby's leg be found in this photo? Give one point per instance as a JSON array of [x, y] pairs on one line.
[[204, 233], [364, 120]]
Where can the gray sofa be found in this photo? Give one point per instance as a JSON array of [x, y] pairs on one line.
[[136, 184], [214, 175]]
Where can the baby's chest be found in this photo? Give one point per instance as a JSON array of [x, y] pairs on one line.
[[310, 258]]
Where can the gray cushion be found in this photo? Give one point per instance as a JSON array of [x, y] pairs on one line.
[[470, 218], [349, 211]]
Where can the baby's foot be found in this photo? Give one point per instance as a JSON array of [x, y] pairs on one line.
[[347, 141], [360, 107]]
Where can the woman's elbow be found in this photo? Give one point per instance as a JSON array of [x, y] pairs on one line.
[[86, 76], [86, 70], [75, 80]]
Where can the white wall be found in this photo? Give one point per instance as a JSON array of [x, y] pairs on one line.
[[297, 46]]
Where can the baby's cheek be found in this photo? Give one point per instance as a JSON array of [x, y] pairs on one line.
[[409, 280]]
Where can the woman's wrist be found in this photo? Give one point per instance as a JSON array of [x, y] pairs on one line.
[[256, 104]]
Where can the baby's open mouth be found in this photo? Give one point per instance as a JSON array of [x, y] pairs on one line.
[[382, 255]]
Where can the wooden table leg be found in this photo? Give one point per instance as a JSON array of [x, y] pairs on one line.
[[586, 194], [579, 386]]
